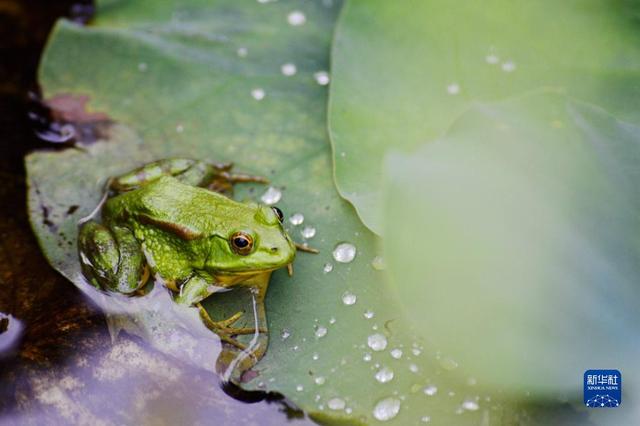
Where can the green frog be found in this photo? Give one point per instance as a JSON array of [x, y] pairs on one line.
[[171, 219]]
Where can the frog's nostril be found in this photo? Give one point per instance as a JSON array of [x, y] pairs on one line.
[[274, 249]]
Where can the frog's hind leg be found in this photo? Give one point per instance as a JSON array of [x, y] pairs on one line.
[[112, 259], [214, 176], [150, 172]]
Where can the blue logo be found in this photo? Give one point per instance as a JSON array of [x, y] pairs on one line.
[[602, 388]]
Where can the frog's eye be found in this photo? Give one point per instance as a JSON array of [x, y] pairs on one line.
[[278, 213], [241, 243]]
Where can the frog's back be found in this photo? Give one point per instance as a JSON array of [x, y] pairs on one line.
[[194, 211]]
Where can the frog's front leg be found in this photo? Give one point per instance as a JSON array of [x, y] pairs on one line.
[[196, 289], [215, 176], [111, 258]]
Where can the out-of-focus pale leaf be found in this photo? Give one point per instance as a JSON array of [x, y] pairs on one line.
[[515, 238]]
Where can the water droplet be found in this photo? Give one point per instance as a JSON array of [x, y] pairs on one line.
[[332, 320], [471, 381], [396, 353], [296, 219], [336, 404], [448, 364], [386, 409], [366, 357], [285, 334], [344, 252], [348, 410], [349, 298], [378, 263], [413, 368], [315, 357], [327, 268], [308, 232], [299, 388], [271, 196], [430, 390], [321, 331], [320, 380], [508, 66], [492, 59], [470, 405], [322, 78], [142, 66], [288, 69], [258, 94], [242, 52], [377, 342], [179, 128], [369, 314], [425, 419], [453, 89], [416, 351], [296, 18], [384, 375]]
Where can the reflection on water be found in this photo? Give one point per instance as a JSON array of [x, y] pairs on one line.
[[10, 331]]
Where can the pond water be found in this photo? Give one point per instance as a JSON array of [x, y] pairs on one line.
[[58, 362]]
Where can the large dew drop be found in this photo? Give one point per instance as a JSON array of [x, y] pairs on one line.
[[296, 219], [377, 342], [258, 94], [386, 409], [384, 375], [322, 78], [336, 404], [344, 252], [271, 196], [308, 232], [470, 405], [430, 390], [296, 18], [288, 69], [321, 331], [378, 263], [349, 298]]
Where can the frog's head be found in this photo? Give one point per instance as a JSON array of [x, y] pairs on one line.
[[257, 242]]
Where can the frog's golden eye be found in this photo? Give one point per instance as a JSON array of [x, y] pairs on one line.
[[241, 243], [278, 213]]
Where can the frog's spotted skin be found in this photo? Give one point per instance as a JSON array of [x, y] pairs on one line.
[[165, 218]]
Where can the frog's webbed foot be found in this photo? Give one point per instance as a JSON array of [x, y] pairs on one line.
[[225, 330]]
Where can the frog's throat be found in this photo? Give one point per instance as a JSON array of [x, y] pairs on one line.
[[229, 278]]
